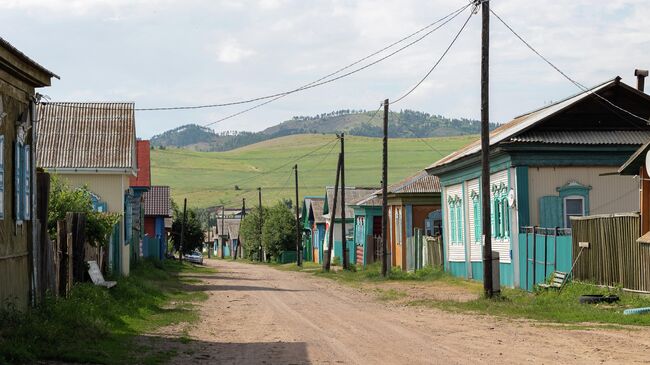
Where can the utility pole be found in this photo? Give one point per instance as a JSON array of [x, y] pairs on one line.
[[223, 230], [485, 151], [180, 251], [259, 190], [241, 217], [384, 196], [298, 231], [344, 244], [330, 244]]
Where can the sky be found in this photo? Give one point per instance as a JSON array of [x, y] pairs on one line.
[[161, 53]]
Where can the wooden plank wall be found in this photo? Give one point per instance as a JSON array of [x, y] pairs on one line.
[[614, 257]]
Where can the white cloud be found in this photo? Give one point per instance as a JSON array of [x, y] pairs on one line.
[[231, 51]]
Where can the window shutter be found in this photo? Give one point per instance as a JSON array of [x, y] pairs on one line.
[[493, 218], [27, 180], [17, 184], [452, 222], [459, 219], [506, 217], [550, 211]]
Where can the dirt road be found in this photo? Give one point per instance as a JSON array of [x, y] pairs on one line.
[[259, 315]]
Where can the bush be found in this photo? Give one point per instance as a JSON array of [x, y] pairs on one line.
[[279, 231], [193, 235], [250, 232]]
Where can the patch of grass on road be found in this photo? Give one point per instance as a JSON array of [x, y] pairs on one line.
[[552, 306], [97, 325]]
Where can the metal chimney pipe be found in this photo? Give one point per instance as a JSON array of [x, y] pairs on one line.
[[640, 78]]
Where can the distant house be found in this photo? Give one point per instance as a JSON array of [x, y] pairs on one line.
[[367, 228], [310, 231], [227, 239], [413, 203], [93, 144], [316, 220], [546, 166], [157, 211], [139, 184], [19, 77], [351, 194]]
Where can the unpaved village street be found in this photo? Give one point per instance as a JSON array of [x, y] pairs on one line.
[[260, 315]]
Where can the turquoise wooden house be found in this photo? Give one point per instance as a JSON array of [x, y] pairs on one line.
[[351, 194], [317, 220], [309, 230], [545, 167], [367, 228]]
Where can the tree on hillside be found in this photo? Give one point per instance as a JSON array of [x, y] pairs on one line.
[[193, 235], [250, 232], [279, 230]]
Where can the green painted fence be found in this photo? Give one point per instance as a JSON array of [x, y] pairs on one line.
[[542, 251]]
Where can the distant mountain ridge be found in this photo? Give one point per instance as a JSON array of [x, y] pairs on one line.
[[402, 124]]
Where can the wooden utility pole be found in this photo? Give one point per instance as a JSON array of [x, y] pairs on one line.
[[485, 151], [223, 231], [298, 231], [239, 249], [332, 212], [259, 190], [344, 244], [384, 196], [180, 251]]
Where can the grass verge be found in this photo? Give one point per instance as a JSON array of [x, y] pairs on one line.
[[97, 325]]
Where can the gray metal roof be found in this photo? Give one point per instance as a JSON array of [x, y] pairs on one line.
[[584, 137], [370, 200], [351, 194], [86, 135], [317, 209], [521, 124], [634, 163], [421, 182]]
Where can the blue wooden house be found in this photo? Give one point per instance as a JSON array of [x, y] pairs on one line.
[[546, 166], [367, 228], [310, 234]]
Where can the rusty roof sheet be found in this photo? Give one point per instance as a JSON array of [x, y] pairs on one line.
[[86, 135], [520, 124], [585, 137], [421, 182], [157, 201], [351, 194]]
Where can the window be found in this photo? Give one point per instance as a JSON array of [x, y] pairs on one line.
[[456, 219], [500, 215], [398, 226], [476, 206], [22, 180], [573, 207]]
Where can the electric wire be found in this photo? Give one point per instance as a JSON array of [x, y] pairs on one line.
[[574, 82], [437, 62]]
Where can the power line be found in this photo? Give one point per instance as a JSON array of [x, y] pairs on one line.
[[437, 62], [319, 82], [574, 82]]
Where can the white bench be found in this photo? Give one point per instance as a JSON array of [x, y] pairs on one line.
[[97, 277], [558, 279]]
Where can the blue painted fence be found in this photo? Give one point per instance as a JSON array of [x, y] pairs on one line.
[[542, 251]]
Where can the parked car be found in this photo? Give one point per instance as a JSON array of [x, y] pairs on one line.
[[195, 257]]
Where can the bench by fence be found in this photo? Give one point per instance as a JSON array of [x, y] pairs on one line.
[[543, 251]]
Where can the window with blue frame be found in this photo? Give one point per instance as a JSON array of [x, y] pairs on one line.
[[22, 181], [476, 208], [500, 215], [455, 205]]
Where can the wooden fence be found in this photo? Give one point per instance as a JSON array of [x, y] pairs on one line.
[[614, 256]]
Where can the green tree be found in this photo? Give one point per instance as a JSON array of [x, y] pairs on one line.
[[65, 199], [249, 232], [279, 230], [193, 235]]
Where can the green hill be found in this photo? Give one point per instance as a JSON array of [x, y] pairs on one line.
[[402, 124], [211, 178]]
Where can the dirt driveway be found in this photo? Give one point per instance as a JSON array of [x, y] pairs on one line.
[[259, 315]]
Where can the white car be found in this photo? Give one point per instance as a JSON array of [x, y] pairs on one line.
[[195, 257]]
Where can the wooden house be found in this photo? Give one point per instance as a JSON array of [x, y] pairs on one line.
[[157, 209], [317, 220], [93, 145], [413, 203], [367, 228], [351, 194], [19, 244], [310, 235], [139, 184], [546, 166]]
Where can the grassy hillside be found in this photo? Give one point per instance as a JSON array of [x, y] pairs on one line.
[[209, 178]]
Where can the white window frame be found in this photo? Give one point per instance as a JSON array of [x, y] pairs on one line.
[[565, 217]]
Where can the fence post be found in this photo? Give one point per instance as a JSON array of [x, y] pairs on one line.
[[555, 248], [545, 252], [526, 231], [534, 255]]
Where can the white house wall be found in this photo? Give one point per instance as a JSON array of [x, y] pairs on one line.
[[475, 244], [456, 251], [609, 194], [502, 245]]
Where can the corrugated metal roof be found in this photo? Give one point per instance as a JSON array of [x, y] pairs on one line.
[[520, 124], [584, 137], [351, 194], [370, 200], [634, 163], [157, 201], [421, 182], [86, 135]]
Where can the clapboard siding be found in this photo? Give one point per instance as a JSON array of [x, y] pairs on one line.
[[475, 244], [501, 245]]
